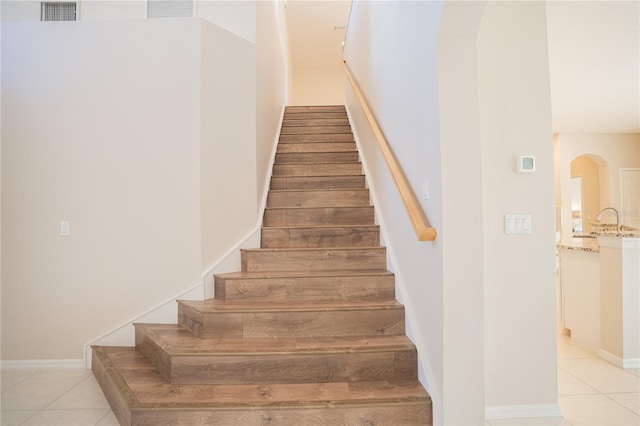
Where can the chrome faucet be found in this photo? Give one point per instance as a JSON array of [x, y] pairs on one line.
[[599, 217]]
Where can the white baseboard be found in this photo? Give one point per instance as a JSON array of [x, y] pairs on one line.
[[44, 364], [520, 411], [617, 361]]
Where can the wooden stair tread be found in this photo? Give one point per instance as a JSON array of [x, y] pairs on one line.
[[146, 388], [176, 340], [215, 305], [364, 226], [308, 249], [326, 274]]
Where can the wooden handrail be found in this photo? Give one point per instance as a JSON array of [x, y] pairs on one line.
[[423, 229]]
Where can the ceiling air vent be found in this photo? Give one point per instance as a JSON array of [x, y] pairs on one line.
[[169, 8], [58, 11]]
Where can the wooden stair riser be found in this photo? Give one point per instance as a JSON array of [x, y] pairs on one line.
[[398, 414], [336, 216], [290, 120], [322, 367], [313, 115], [317, 237], [317, 147], [319, 198], [318, 137], [363, 288], [319, 182], [297, 260], [317, 170], [321, 323], [314, 130], [315, 108], [317, 157], [138, 395]]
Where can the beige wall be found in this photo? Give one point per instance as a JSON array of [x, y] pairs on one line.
[[519, 271], [122, 145], [228, 135], [616, 150], [318, 86], [271, 86], [401, 84]]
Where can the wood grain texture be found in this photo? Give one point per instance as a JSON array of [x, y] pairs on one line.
[[336, 216], [317, 182], [313, 115], [318, 198], [182, 358], [314, 130], [320, 236], [324, 259], [317, 147], [303, 288], [317, 137], [318, 169], [156, 402], [317, 157], [315, 108], [292, 120]]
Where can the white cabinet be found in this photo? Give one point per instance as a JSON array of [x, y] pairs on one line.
[[580, 283]]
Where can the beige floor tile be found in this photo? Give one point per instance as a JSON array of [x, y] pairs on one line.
[[87, 394], [66, 418], [571, 385], [530, 421], [14, 418], [568, 350], [601, 375], [628, 400], [41, 389], [109, 420], [635, 371], [595, 410], [13, 377]]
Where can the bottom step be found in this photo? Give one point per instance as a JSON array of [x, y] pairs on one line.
[[138, 395]]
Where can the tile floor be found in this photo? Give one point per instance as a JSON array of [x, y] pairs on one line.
[[591, 392]]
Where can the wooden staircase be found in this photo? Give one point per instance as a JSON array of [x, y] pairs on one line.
[[308, 333]]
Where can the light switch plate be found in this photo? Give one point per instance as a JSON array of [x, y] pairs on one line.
[[517, 224]]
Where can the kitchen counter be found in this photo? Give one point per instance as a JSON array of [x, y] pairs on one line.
[[581, 244]]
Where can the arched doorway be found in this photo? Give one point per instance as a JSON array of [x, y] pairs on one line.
[[590, 191]]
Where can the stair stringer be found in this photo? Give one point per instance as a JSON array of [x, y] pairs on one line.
[[411, 322], [167, 311]]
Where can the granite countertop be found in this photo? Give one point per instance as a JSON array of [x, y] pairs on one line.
[[623, 234], [581, 244]]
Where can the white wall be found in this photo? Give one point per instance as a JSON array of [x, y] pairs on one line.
[[271, 86], [618, 150], [236, 16], [111, 135], [228, 149], [462, 232], [395, 66], [519, 271], [474, 315]]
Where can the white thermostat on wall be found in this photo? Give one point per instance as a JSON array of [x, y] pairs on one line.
[[526, 164]]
